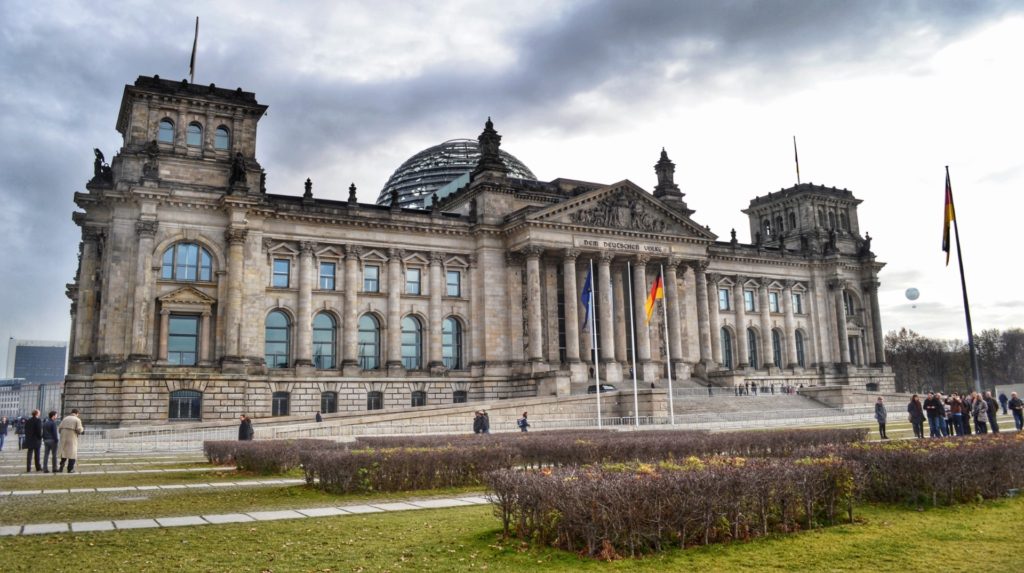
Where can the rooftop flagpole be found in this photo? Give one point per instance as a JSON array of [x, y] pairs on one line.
[[192, 62], [950, 217], [796, 158]]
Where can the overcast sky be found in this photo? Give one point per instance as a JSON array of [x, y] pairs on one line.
[[881, 96]]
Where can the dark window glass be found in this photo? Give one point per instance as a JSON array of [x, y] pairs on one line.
[[773, 302], [323, 341], [451, 343], [327, 271], [798, 307], [281, 268], [419, 398], [776, 349], [799, 348], [374, 400], [186, 262], [723, 299], [460, 397], [369, 342], [412, 281], [182, 340], [412, 343], [277, 341], [848, 302], [371, 278], [194, 135], [726, 349], [752, 348], [454, 283], [166, 132], [221, 138], [279, 404], [748, 300], [329, 402], [185, 405]]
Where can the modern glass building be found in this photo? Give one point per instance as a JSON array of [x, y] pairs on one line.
[[38, 361]]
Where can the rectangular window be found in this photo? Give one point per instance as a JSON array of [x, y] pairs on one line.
[[327, 276], [748, 300], [371, 278], [723, 299], [183, 340], [454, 283], [773, 301], [412, 281], [798, 307], [281, 267]]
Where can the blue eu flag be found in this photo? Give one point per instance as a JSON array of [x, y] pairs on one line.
[[585, 298]]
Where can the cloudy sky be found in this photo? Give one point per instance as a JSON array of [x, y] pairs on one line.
[[880, 94]]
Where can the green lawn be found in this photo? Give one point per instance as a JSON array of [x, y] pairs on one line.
[[467, 539]]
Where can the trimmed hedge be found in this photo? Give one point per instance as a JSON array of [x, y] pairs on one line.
[[264, 456]]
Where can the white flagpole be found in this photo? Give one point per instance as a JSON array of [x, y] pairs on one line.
[[593, 343], [668, 351], [632, 335]]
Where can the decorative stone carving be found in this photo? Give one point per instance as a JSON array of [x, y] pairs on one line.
[[398, 254], [870, 286], [92, 234], [308, 193], [146, 228], [150, 169], [236, 236], [714, 278], [436, 258], [837, 284], [699, 266], [620, 210], [101, 170], [490, 159], [642, 260], [238, 167], [352, 194], [307, 247], [353, 251], [570, 254]]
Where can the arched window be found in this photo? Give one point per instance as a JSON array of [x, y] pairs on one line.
[[792, 220], [766, 227], [324, 341], [186, 405], [369, 343], [799, 339], [726, 348], [194, 135], [752, 347], [460, 397], [848, 303], [419, 398], [374, 400], [778, 225], [412, 343], [221, 138], [821, 217], [831, 220], [329, 402], [776, 349], [165, 133], [451, 343], [277, 340], [186, 262], [279, 404], [844, 221]]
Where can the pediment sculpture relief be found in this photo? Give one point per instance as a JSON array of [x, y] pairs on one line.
[[621, 210]]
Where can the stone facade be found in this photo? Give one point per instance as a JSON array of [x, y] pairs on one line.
[[199, 294]]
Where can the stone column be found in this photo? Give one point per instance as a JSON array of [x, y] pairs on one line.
[[838, 288], [767, 352], [643, 331], [304, 320], [741, 322], [619, 328], [534, 317], [716, 321], [604, 309], [790, 324], [165, 329], [394, 353], [233, 313], [436, 290], [85, 315], [349, 347], [204, 338], [141, 335], [703, 321], [570, 294], [675, 338], [871, 289]]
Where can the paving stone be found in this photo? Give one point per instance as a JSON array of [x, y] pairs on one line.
[[274, 515], [38, 528], [249, 483], [55, 491], [9, 530], [476, 500], [397, 506], [197, 485], [322, 511], [146, 487], [27, 492], [436, 503], [361, 509], [228, 518], [174, 486], [135, 523], [83, 526], [223, 484], [82, 490], [180, 521], [3, 493], [127, 488]]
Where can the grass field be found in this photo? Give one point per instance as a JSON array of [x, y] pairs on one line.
[[468, 539]]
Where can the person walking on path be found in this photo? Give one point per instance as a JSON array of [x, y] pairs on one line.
[[523, 423], [245, 431], [916, 411], [19, 431], [478, 422], [318, 417], [486, 422], [33, 441], [51, 438], [4, 425], [1003, 401], [67, 449], [1017, 407], [881, 415], [993, 411], [980, 412]]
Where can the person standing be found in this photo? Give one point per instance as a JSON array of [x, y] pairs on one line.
[[50, 440], [486, 422], [19, 431], [245, 431], [881, 416], [4, 425], [67, 450], [916, 411], [980, 411], [968, 406], [931, 410], [1017, 407], [1003, 401], [33, 441], [956, 415], [318, 417], [523, 423], [993, 411], [478, 422]]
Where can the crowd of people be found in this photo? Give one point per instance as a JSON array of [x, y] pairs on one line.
[[753, 388], [55, 437], [955, 414]]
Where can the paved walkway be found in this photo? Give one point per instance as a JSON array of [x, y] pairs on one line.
[[109, 472], [222, 484], [252, 516]]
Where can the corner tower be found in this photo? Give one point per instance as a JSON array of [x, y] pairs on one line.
[[809, 218]]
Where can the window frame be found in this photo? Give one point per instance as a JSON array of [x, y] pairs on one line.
[[414, 360], [753, 358], [451, 343], [368, 361], [371, 282], [798, 341], [460, 397], [287, 340], [418, 398], [280, 404], [776, 348], [160, 131], [413, 287], [202, 269], [725, 337], [275, 274], [328, 402], [773, 302], [374, 400], [453, 289], [798, 305], [171, 335], [179, 400], [331, 278], [748, 301], [189, 133], [318, 345], [217, 138], [724, 299]]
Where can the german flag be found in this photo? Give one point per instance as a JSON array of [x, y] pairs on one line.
[[657, 292], [949, 215]]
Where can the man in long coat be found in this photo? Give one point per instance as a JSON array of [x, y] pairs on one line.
[[70, 428], [33, 441]]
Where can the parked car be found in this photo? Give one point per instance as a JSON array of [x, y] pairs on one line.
[[592, 389]]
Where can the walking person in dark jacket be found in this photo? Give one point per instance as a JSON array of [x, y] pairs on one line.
[[980, 412], [1017, 408], [993, 411], [33, 441], [19, 430], [50, 439], [523, 424], [4, 425], [245, 431], [916, 411], [932, 409], [1003, 401], [881, 416], [478, 422]]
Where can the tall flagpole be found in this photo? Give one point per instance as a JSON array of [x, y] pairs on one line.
[[593, 343], [796, 158], [192, 62], [975, 371], [668, 351], [632, 337]]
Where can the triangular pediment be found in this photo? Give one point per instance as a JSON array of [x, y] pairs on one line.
[[187, 296], [622, 206]]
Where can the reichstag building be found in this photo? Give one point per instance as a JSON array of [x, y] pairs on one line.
[[201, 295]]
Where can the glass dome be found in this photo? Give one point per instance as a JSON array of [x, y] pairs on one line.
[[433, 168]]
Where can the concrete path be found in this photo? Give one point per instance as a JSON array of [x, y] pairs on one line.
[[210, 485], [110, 472], [252, 516]]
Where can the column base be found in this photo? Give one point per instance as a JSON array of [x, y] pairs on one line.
[[351, 368], [437, 368], [304, 367], [648, 372], [611, 372], [680, 370], [395, 369], [233, 364]]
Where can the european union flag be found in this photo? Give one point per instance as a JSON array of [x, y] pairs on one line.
[[588, 290]]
